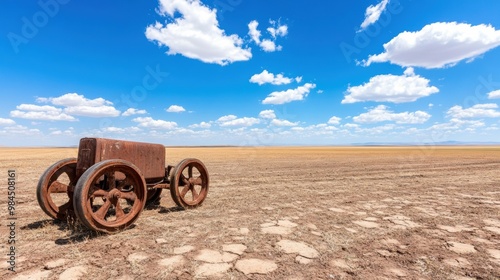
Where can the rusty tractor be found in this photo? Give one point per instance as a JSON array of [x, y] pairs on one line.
[[111, 181]]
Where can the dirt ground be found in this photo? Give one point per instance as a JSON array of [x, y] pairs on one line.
[[281, 213]]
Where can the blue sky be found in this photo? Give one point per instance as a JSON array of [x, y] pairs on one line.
[[240, 72]]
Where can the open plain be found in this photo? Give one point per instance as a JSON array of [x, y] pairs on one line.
[[281, 213]]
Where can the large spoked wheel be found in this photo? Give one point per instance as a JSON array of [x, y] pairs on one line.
[[189, 183], [110, 195], [54, 191]]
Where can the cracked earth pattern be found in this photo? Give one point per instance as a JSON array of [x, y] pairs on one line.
[[284, 213]]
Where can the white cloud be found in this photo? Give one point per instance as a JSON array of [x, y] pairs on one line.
[[90, 111], [253, 31], [6, 121], [227, 118], [278, 122], [133, 111], [79, 105], [494, 94], [269, 46], [477, 111], [74, 99], [381, 114], [175, 109], [196, 33], [151, 123], [276, 30], [267, 114], [20, 130], [334, 120], [391, 88], [232, 120], [35, 112], [266, 77], [372, 13], [438, 45], [201, 125], [282, 97]]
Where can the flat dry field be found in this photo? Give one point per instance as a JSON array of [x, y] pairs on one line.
[[282, 213]]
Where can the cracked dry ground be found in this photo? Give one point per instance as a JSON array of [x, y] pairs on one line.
[[285, 213]]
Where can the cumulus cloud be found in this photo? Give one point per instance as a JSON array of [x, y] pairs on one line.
[[267, 114], [151, 123], [78, 105], [175, 109], [6, 121], [334, 120], [227, 118], [20, 130], [390, 88], [282, 97], [438, 45], [275, 30], [278, 122], [35, 112], [372, 13], [382, 113], [133, 111], [232, 120], [494, 94], [196, 34], [266, 77], [201, 125], [477, 111]]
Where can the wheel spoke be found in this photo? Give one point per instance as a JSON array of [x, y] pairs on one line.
[[128, 195], [198, 181], [190, 171], [58, 187], [195, 193], [101, 213], [118, 209], [184, 180], [185, 190], [111, 180], [100, 193]]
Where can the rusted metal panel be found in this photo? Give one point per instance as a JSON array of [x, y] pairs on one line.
[[149, 158]]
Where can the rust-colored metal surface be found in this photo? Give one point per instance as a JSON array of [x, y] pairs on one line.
[[111, 181], [110, 196], [54, 191], [149, 158], [189, 183]]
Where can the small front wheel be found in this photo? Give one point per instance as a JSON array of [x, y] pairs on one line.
[[189, 183]]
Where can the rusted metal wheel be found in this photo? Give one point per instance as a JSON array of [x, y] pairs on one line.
[[54, 191], [110, 195], [189, 183]]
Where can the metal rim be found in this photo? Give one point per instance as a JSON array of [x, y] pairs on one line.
[[54, 191], [189, 183], [110, 196]]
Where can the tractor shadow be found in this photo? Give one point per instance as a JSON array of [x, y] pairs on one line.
[[77, 232]]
